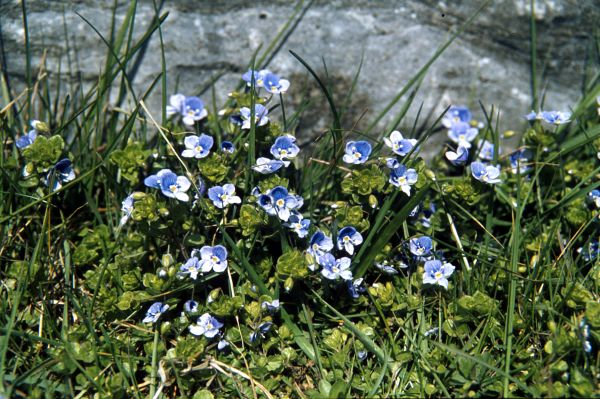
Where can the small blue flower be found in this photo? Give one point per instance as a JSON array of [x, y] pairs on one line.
[[403, 178], [421, 246], [533, 116], [355, 288], [227, 147], [274, 85], [284, 148], [456, 114], [279, 202], [437, 273], [386, 268], [459, 157], [266, 165], [485, 173], [271, 307], [432, 331], [170, 184], [335, 268], [399, 144], [519, 160], [207, 326], [126, 209], [260, 331], [213, 258], [190, 108], [590, 251], [62, 172], [191, 267], [222, 196], [348, 238], [27, 139], [257, 76], [298, 224], [154, 312], [197, 147], [260, 116], [222, 344], [462, 134], [486, 151], [556, 117], [319, 244], [594, 196], [190, 306], [357, 152]]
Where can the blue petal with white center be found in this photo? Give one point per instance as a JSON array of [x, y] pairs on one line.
[[462, 134], [298, 224], [197, 146], [319, 244], [267, 166], [403, 178], [437, 273], [284, 148], [485, 173], [357, 152], [27, 139], [348, 238], [334, 269], [207, 326], [421, 246], [154, 312], [222, 196], [459, 157], [456, 114], [260, 116], [62, 172], [213, 259], [275, 85], [170, 184], [399, 144], [190, 108]]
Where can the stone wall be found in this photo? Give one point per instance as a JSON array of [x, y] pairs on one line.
[[204, 39]]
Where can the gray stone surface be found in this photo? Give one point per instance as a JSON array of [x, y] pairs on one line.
[[204, 39]]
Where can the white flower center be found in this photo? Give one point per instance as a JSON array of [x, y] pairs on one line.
[[199, 148], [283, 153], [280, 202], [335, 269], [346, 238], [214, 259], [438, 275], [173, 188]]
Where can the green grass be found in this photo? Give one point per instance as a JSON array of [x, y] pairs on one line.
[[75, 285]]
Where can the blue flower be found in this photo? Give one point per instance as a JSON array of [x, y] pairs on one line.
[[459, 157], [213, 258], [266, 165], [190, 306], [227, 147], [260, 331], [284, 148], [319, 244], [533, 116], [222, 344], [257, 76], [154, 312], [357, 152], [207, 326], [335, 268], [386, 268], [594, 196], [222, 196], [485, 173], [456, 114], [556, 117], [355, 288], [271, 307], [260, 116], [403, 178], [62, 172], [126, 209], [437, 273], [197, 147], [347, 238], [191, 108], [519, 160], [273, 84], [27, 139], [486, 151], [170, 184], [421, 246], [462, 134], [279, 202], [191, 267], [399, 144], [590, 251], [298, 224]]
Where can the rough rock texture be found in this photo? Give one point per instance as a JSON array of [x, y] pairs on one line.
[[205, 39]]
